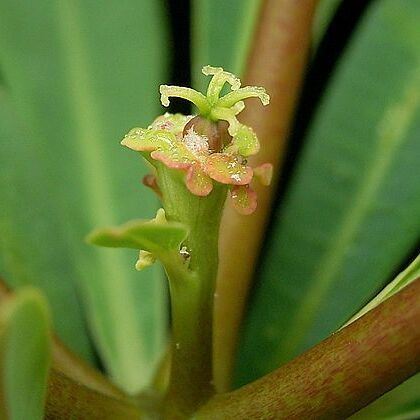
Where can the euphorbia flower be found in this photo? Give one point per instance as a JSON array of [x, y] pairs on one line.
[[212, 146]]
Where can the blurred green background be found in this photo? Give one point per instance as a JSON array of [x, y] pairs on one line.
[[76, 75]]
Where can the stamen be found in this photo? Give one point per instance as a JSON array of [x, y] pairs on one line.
[[220, 77], [232, 98], [230, 78], [197, 98], [238, 107]]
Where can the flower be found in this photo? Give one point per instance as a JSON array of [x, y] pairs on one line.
[[212, 146]]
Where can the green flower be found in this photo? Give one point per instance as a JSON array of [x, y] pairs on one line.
[[210, 147]]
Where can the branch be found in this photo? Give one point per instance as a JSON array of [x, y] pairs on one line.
[[70, 399], [339, 376], [277, 61]]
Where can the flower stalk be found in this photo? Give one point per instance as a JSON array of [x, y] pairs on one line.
[[191, 293], [197, 161]]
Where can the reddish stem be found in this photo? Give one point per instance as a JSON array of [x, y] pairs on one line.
[[277, 61], [339, 376]]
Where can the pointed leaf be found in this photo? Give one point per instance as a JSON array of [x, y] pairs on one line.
[[155, 236]]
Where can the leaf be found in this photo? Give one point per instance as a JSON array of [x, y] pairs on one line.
[[216, 23], [21, 261], [79, 75], [25, 352], [351, 214], [411, 273], [400, 403], [155, 236], [324, 14]]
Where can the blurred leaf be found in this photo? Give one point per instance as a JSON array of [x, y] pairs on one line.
[[324, 14], [24, 213], [79, 75], [411, 273], [25, 351], [351, 214], [400, 403], [221, 33]]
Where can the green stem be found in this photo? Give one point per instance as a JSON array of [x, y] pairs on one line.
[[192, 293]]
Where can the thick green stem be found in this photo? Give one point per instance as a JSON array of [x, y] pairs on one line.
[[192, 293]]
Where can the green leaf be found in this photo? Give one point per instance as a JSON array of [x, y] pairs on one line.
[[79, 75], [400, 403], [155, 236], [25, 216], [25, 352], [216, 23], [324, 14], [351, 214], [411, 273]]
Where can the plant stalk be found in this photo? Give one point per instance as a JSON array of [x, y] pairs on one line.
[[339, 376], [192, 294], [277, 60]]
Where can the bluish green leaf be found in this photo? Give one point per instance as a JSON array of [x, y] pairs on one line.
[[25, 352], [25, 217], [411, 273], [324, 13], [80, 74], [400, 403], [352, 212], [221, 34]]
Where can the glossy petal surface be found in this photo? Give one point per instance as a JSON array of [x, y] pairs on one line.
[[198, 182], [244, 199], [227, 169]]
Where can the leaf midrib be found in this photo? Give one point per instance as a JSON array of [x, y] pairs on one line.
[[98, 194], [391, 130]]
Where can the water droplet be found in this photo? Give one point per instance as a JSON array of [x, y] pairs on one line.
[[184, 252]]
